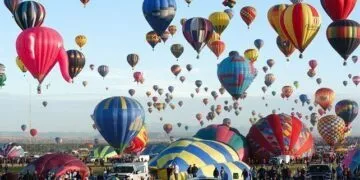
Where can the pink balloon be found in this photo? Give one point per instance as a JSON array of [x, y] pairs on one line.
[[40, 48], [138, 77]]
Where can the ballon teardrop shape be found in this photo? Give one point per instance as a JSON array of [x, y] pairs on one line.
[[12, 4], [29, 14], [76, 62], [338, 9]]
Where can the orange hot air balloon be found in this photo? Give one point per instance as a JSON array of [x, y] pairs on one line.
[[248, 14], [300, 23], [274, 16], [287, 91], [325, 97], [217, 47]]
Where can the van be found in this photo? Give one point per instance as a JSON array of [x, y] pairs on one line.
[[280, 159], [130, 171]]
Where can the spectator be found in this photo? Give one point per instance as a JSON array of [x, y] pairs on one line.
[[261, 173], [339, 172], [169, 170], [222, 173], [216, 173], [176, 171], [194, 170], [189, 171], [253, 173], [245, 174]]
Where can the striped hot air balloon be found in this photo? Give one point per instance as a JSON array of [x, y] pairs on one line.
[[274, 17], [347, 110], [119, 120], [280, 134], [248, 14], [217, 47], [219, 20], [29, 14], [338, 9], [76, 62], [300, 23], [138, 144], [198, 31], [324, 97], [285, 46], [344, 37]]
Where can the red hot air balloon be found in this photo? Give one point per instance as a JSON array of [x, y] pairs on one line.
[[138, 77], [313, 64], [287, 91], [33, 132], [248, 14], [338, 9], [356, 80], [40, 48], [167, 128]]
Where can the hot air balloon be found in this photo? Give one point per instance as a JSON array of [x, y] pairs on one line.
[[311, 73], [85, 2], [285, 46], [103, 70], [131, 92], [198, 116], [347, 110], [345, 83], [138, 144], [29, 14], [236, 74], [303, 98], [33, 132], [153, 39], [270, 63], [259, 43], [198, 83], [274, 17], [167, 128], [92, 67], [12, 4], [300, 23], [76, 62], [23, 127], [269, 79], [331, 128], [217, 47], [81, 40], [133, 59], [229, 12], [318, 81], [189, 67], [248, 14], [58, 140], [20, 65], [84, 83], [44, 103], [324, 97], [296, 84], [165, 36], [313, 64], [338, 10], [119, 120], [159, 14], [287, 91], [182, 79], [341, 37], [356, 80], [177, 50], [219, 20], [265, 69], [280, 134], [198, 31], [40, 48], [176, 69], [172, 29], [251, 54], [138, 77]]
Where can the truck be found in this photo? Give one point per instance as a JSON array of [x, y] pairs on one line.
[[130, 171]]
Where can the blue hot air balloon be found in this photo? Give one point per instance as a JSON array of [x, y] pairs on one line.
[[347, 110], [236, 74], [119, 120], [303, 98], [259, 43], [159, 14]]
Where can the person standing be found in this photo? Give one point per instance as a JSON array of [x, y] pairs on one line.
[[261, 173], [222, 173], [189, 171], [245, 174], [339, 172], [176, 171], [194, 171], [216, 173]]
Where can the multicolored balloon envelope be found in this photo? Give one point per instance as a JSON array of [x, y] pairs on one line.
[[332, 129], [11, 150], [138, 144], [203, 153], [352, 160], [58, 164], [103, 152], [119, 120], [280, 134], [236, 74], [227, 135]]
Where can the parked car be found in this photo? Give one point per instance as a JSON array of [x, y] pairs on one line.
[[319, 171], [130, 171]]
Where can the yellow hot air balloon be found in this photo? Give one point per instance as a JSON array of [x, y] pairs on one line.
[[251, 54], [21, 65], [80, 40], [274, 17], [220, 21], [300, 23], [332, 129]]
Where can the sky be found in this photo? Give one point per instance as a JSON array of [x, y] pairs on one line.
[[115, 29]]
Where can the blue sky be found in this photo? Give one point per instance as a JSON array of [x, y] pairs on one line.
[[115, 28]]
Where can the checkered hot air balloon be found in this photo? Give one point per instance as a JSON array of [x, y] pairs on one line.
[[332, 129]]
